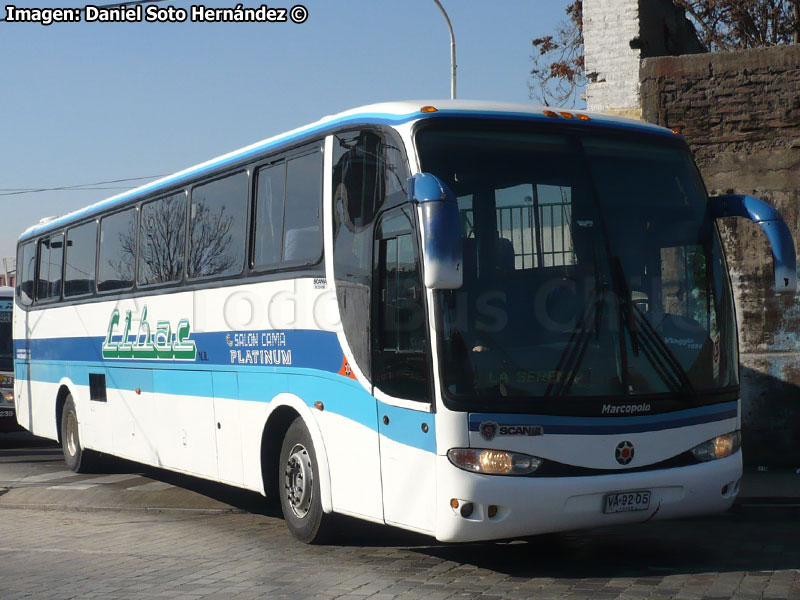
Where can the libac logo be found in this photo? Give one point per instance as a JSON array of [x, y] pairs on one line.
[[161, 344]]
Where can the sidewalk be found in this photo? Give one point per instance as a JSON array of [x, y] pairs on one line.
[[776, 487]]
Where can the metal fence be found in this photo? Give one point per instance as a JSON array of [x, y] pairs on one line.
[[545, 241]]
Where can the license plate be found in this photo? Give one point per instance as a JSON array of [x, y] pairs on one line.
[[627, 501], [6, 413]]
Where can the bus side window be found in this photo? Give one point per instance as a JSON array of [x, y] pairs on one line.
[[358, 195], [268, 217], [51, 255], [362, 180], [400, 353], [26, 263], [302, 236], [217, 227], [162, 239], [369, 172], [288, 212], [117, 251], [81, 255]]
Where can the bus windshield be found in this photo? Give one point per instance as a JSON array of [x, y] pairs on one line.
[[591, 269]]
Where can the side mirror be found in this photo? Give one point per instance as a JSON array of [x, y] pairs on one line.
[[440, 226], [784, 261]]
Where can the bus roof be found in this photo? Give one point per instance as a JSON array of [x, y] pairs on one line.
[[387, 113]]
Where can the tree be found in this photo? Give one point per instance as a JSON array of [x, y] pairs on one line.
[[212, 251], [739, 24], [161, 241], [558, 61], [212, 248]]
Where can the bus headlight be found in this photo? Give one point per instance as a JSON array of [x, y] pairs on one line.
[[720, 447], [9, 396], [493, 462]]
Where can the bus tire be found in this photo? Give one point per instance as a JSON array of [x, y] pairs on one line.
[[298, 484], [77, 458]]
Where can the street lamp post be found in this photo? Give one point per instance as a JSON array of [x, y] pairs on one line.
[[452, 51]]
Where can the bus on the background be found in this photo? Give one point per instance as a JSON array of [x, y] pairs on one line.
[[471, 320], [8, 421]]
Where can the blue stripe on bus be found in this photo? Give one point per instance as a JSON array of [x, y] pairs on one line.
[[310, 349], [613, 425], [340, 395], [307, 133]]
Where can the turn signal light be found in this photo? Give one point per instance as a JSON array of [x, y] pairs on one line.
[[428, 109]]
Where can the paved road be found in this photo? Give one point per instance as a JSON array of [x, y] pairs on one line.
[[33, 473], [221, 550]]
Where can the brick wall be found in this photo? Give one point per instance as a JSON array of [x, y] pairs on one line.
[[740, 112], [612, 65]]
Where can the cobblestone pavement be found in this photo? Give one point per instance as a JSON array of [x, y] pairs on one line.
[[68, 554]]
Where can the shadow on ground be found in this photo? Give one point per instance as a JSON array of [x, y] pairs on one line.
[[741, 540], [17, 443], [730, 542]]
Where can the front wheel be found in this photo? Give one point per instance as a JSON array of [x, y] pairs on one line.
[[298, 478], [77, 458]]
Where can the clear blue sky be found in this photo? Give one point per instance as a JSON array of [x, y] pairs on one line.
[[92, 102]]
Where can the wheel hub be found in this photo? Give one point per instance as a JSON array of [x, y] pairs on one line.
[[299, 481], [72, 434]]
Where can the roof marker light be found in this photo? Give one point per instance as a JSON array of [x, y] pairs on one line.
[[428, 109], [584, 117], [550, 113], [676, 131], [567, 115]]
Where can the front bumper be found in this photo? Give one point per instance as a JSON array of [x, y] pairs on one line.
[[530, 505], [8, 413]]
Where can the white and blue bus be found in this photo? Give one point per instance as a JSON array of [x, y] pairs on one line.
[[7, 420], [471, 320]]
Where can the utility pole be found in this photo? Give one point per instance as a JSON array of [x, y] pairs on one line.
[[453, 50], [6, 270]]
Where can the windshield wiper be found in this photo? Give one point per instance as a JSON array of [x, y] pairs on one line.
[[644, 336], [661, 357], [575, 349]]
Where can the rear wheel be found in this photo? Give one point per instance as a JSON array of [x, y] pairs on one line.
[[298, 478], [77, 458]]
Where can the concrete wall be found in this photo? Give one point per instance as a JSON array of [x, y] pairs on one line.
[[740, 112]]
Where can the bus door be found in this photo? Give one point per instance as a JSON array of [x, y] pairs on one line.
[[401, 375]]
